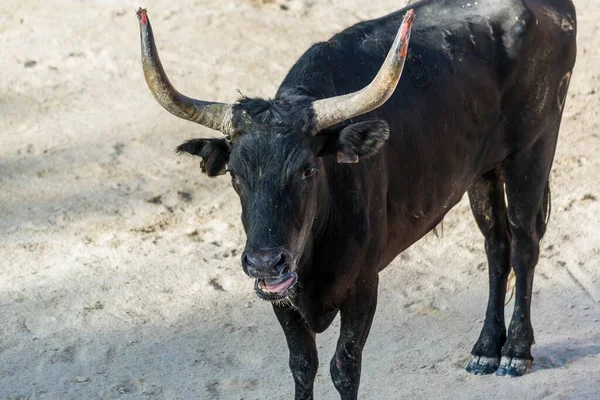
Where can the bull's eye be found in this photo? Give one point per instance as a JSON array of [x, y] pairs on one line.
[[309, 172]]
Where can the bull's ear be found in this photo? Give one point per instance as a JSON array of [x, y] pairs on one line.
[[214, 154], [362, 139]]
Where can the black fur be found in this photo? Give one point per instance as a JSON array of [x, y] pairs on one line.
[[477, 111], [290, 111]]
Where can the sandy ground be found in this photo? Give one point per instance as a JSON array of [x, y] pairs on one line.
[[119, 262]]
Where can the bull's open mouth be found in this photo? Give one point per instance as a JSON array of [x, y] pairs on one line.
[[275, 288]]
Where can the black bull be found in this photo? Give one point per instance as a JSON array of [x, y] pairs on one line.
[[478, 111]]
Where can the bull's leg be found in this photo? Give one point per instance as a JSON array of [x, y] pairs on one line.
[[356, 317], [303, 350], [526, 176], [486, 196]]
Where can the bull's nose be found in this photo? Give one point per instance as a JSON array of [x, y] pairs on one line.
[[263, 263]]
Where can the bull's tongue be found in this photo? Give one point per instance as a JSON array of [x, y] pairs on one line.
[[279, 284]]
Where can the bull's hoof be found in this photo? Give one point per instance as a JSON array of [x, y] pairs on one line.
[[513, 366], [482, 365]]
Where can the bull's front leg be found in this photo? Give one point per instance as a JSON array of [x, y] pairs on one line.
[[357, 313], [303, 350]]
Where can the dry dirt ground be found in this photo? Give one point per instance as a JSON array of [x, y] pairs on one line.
[[119, 262]]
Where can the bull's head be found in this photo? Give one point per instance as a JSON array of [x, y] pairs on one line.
[[273, 151]]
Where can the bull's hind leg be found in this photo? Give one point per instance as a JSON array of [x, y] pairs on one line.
[[526, 176], [486, 196]]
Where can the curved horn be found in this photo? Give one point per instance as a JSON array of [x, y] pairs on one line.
[[210, 114], [334, 110]]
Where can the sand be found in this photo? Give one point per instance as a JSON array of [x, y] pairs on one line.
[[119, 261]]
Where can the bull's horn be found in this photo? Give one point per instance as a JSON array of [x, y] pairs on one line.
[[210, 114], [334, 110]]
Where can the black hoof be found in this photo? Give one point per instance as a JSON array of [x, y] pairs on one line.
[[513, 366], [482, 365]]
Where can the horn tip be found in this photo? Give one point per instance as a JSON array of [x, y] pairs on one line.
[[142, 15], [409, 17], [404, 31]]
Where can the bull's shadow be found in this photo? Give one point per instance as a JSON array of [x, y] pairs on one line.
[[561, 354]]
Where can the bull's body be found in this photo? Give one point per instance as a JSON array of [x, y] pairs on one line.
[[481, 84], [477, 109]]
